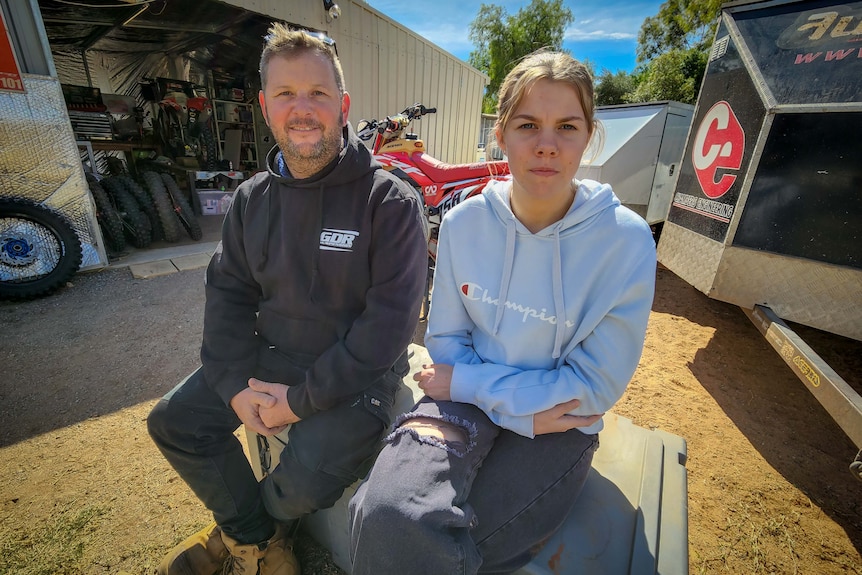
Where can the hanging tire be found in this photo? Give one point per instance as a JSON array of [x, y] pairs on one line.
[[145, 203], [184, 211], [135, 223], [39, 250], [110, 221], [168, 219]]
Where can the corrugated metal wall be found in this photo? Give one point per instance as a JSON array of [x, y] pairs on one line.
[[388, 68]]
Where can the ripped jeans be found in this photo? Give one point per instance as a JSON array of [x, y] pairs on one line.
[[444, 507]]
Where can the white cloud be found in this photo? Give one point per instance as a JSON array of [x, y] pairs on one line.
[[578, 35], [607, 24]]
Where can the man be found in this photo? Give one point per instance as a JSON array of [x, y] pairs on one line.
[[311, 300]]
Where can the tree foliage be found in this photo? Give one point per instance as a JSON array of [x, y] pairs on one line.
[[501, 40], [614, 88], [679, 25], [673, 50], [675, 75]]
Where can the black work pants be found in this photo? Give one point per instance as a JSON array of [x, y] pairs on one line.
[[325, 454]]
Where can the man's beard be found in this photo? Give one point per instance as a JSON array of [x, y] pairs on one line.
[[308, 159]]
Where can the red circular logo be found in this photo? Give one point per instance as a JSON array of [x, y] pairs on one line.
[[718, 144]]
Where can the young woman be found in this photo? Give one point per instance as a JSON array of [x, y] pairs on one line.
[[541, 297]]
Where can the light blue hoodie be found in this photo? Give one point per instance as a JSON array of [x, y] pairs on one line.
[[534, 320]]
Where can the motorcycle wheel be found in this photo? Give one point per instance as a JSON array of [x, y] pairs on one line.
[[136, 223], [210, 149], [165, 208], [39, 250], [108, 217], [184, 210], [145, 203]]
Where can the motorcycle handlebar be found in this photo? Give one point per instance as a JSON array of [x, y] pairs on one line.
[[393, 123], [417, 111]]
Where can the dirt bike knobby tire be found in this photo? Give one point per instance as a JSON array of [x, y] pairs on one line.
[[146, 204], [184, 210], [39, 250], [170, 223], [136, 224], [108, 217], [211, 160]]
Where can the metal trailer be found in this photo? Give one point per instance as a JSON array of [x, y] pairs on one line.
[[767, 212], [39, 158], [640, 154]]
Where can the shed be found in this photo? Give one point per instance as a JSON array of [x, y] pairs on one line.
[[113, 46]]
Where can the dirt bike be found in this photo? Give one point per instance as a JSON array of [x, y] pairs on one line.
[[183, 126], [441, 186]]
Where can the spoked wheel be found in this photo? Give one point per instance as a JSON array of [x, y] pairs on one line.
[[39, 250]]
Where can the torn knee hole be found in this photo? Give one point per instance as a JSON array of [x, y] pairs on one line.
[[444, 430]]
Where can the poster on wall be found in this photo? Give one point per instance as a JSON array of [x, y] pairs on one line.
[[10, 75]]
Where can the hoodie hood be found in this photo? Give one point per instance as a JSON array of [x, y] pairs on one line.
[[591, 198]]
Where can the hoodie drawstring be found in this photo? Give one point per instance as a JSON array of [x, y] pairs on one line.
[[264, 253], [508, 263], [315, 256], [559, 300]]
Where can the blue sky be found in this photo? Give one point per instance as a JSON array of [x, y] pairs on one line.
[[604, 31]]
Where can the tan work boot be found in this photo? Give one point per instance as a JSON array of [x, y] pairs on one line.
[[273, 557], [204, 553]]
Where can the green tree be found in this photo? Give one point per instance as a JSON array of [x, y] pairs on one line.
[[675, 75], [679, 25], [613, 88], [673, 50], [501, 40]]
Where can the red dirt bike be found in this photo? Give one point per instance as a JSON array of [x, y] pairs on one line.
[[442, 186], [183, 125]]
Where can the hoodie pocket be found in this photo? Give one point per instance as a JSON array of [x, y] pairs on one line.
[[301, 335], [276, 366]]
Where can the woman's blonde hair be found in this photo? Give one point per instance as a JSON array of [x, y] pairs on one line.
[[546, 65]]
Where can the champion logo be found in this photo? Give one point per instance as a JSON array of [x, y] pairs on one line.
[[337, 240], [475, 292]]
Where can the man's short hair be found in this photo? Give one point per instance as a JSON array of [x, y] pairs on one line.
[[281, 40]]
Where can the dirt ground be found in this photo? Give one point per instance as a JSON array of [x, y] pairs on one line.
[[83, 489]]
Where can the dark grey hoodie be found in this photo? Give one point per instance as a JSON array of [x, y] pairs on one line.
[[316, 283]]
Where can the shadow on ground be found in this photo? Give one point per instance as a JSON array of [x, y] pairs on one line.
[[771, 406], [104, 343]]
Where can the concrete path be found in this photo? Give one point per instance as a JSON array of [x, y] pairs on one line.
[[159, 262]]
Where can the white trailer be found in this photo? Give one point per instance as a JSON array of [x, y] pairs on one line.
[[641, 153]]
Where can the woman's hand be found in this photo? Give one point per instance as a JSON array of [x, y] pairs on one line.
[[435, 380], [557, 419]]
